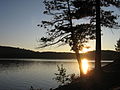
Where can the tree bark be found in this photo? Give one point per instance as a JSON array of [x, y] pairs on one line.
[[79, 62], [73, 38], [98, 38]]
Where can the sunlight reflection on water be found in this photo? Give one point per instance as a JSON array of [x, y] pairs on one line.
[[20, 75]]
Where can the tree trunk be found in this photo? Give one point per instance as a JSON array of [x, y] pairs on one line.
[[98, 38], [79, 62]]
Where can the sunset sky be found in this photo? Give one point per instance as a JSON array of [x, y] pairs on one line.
[[18, 26]]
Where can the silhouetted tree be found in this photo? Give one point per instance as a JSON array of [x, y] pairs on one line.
[[110, 22], [62, 30], [99, 16], [117, 46], [62, 77]]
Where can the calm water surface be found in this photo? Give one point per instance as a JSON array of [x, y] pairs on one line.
[[20, 75]]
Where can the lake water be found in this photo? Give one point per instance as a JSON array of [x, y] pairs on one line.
[[20, 74]]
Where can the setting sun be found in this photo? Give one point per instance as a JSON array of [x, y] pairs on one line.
[[84, 50], [85, 66]]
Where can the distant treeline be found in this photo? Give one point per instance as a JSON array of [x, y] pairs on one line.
[[12, 52]]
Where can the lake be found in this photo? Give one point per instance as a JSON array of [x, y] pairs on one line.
[[21, 74]]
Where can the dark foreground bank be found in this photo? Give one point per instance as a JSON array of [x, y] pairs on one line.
[[108, 79]]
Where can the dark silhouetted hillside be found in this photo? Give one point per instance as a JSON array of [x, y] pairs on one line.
[[12, 52], [106, 55]]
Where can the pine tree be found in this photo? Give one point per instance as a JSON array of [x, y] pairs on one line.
[[100, 17], [62, 28], [117, 46]]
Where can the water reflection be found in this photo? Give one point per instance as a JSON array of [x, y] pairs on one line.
[[20, 74]]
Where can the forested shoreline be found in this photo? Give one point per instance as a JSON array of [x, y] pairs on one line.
[[13, 52]]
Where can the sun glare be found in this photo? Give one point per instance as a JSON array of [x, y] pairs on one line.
[[85, 66], [84, 50]]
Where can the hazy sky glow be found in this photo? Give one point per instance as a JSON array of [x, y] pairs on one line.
[[18, 26]]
